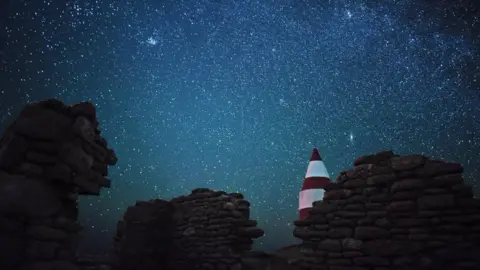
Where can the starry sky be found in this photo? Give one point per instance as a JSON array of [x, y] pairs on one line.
[[233, 95]]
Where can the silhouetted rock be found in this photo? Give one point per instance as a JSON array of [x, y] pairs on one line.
[[389, 212], [405, 212], [48, 156], [204, 230]]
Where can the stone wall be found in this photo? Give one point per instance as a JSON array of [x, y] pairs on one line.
[[48, 156], [144, 236], [204, 230], [394, 212]]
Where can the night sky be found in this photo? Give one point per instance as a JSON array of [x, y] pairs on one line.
[[233, 95]]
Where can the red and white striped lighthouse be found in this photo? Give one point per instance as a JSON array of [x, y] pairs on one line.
[[315, 180]]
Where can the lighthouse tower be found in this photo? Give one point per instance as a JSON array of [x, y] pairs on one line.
[[315, 180]]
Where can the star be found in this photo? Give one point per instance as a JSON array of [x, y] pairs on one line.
[[235, 96]]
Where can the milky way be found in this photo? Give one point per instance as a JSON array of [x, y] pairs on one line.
[[233, 95]]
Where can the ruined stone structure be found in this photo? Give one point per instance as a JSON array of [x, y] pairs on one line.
[[51, 154], [204, 230], [388, 212], [144, 236], [394, 212]]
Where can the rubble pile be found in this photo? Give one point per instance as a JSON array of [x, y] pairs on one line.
[[394, 212], [51, 154], [204, 230]]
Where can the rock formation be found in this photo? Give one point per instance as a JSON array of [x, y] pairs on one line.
[[204, 230], [48, 156], [394, 212]]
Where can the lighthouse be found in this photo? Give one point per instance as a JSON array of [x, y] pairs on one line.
[[315, 180]]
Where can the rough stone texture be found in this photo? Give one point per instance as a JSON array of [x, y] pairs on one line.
[[388, 212], [204, 230], [393, 212], [94, 262], [51, 153]]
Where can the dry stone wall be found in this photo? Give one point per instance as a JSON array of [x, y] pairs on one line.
[[51, 154], [204, 230], [144, 236], [394, 212]]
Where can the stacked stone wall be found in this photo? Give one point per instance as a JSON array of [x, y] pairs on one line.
[[394, 212], [214, 230], [48, 156], [144, 236], [207, 230]]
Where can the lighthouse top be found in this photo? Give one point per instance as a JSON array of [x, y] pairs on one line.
[[316, 167]]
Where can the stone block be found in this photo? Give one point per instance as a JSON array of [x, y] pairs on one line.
[[46, 233], [12, 150], [407, 195], [331, 245], [387, 247], [84, 128], [381, 180], [350, 214], [40, 158], [435, 167], [427, 202], [323, 208], [29, 169], [409, 222], [375, 159], [344, 262], [37, 123], [377, 214], [383, 223], [408, 184], [371, 261], [355, 183], [342, 223], [86, 186], [366, 233], [84, 109], [42, 250], [402, 206], [25, 196], [59, 172], [75, 157], [360, 171], [13, 246], [340, 232], [409, 162], [445, 180]]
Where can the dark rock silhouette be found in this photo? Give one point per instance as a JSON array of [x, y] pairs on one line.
[[388, 212], [48, 156], [204, 230], [394, 212]]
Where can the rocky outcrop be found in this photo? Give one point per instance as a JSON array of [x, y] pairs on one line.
[[48, 156], [204, 230], [394, 212]]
